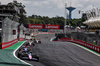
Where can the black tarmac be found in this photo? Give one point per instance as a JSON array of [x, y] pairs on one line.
[[62, 54]]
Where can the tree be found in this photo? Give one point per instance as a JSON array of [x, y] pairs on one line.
[[54, 20], [21, 9]]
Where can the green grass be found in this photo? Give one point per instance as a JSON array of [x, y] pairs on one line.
[[15, 46]]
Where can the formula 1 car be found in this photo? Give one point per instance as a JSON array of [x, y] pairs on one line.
[[37, 41], [24, 48], [29, 43], [28, 56]]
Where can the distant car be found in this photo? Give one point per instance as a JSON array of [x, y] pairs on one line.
[[28, 56], [30, 43], [37, 41], [24, 48]]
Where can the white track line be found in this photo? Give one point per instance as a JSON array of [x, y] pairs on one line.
[[19, 58]]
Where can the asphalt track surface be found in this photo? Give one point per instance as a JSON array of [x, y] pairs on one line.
[[62, 54]]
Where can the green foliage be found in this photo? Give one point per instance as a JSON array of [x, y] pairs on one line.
[[21, 7], [34, 19], [74, 22]]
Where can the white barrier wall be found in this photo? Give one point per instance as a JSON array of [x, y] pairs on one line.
[[8, 27], [28, 37], [22, 29]]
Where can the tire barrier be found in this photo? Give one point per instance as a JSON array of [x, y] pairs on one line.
[[8, 44], [82, 43]]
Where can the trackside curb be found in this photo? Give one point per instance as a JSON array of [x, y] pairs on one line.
[[19, 58], [51, 39], [8, 57]]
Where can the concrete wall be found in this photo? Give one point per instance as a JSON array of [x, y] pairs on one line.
[[28, 37], [8, 27], [22, 28]]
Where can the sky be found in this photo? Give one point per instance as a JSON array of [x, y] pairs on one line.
[[53, 8]]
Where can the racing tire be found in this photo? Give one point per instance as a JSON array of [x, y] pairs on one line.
[[36, 57], [18, 55]]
